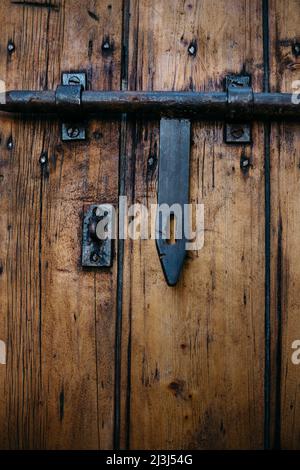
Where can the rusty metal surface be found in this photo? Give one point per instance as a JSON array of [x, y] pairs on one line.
[[173, 189], [97, 252], [68, 96], [192, 105], [238, 90]]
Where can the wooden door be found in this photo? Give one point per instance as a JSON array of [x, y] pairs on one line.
[[115, 358]]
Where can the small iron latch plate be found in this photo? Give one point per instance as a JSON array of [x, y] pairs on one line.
[[97, 236], [73, 130], [238, 90]]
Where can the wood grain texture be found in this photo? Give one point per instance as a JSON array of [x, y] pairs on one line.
[[57, 319], [195, 352], [192, 365], [285, 212]]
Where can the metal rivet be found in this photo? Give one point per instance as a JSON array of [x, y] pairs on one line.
[[107, 46], [192, 49], [74, 80], [245, 163], [296, 49], [97, 135], [11, 47], [237, 132], [73, 132], [237, 84], [10, 144], [95, 258], [43, 158]]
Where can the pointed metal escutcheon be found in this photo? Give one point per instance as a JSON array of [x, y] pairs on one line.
[[173, 194]]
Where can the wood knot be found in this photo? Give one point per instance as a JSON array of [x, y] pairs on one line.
[[177, 387]]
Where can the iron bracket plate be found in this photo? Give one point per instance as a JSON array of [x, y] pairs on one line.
[[173, 192], [72, 130], [238, 90], [97, 249]]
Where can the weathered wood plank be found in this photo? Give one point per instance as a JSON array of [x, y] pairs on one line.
[[58, 320], [195, 352], [285, 218]]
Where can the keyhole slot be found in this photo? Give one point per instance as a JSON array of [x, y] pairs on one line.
[[171, 230]]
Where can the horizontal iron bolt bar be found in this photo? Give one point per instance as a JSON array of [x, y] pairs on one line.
[[194, 105]]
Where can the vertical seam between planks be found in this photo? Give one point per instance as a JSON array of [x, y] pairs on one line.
[[120, 261], [267, 130], [277, 442], [97, 368]]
